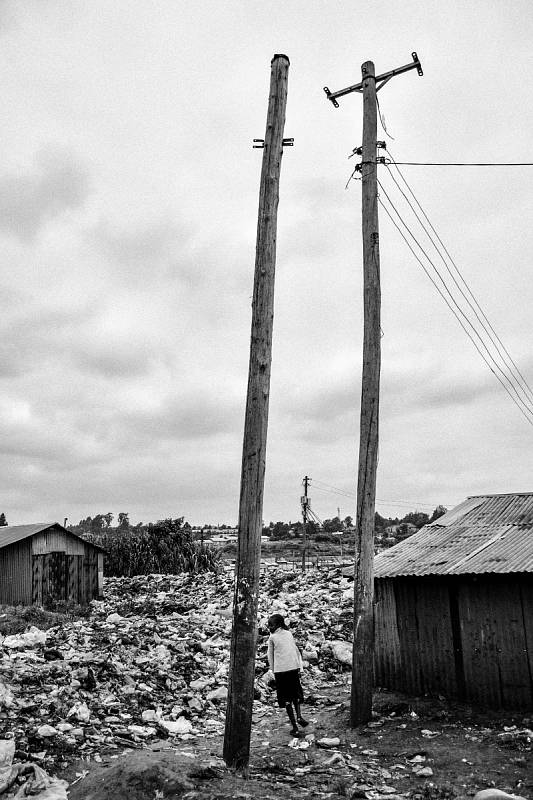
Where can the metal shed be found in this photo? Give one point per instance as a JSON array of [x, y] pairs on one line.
[[454, 605], [43, 564]]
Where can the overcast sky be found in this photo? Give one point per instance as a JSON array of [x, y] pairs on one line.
[[128, 212]]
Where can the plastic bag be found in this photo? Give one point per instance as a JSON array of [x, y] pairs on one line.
[[42, 787], [31, 638], [7, 753], [6, 696]]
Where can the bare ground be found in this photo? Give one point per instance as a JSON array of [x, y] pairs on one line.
[[425, 749]]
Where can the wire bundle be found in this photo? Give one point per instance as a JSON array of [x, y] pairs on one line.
[[454, 290]]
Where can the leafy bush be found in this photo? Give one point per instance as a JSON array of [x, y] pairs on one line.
[[160, 547]]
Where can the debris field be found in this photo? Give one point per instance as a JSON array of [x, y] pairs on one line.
[[147, 671]]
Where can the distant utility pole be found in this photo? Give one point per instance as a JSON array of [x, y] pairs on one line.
[[363, 617], [245, 601], [305, 506]]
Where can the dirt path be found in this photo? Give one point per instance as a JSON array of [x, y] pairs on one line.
[[422, 749]]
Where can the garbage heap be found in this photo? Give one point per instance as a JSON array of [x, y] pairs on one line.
[[151, 661]]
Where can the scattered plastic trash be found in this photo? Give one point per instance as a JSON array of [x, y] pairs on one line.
[[31, 638]]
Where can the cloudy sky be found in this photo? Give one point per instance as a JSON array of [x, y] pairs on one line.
[[128, 209]]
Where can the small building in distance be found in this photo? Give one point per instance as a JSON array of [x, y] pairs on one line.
[[44, 564], [454, 605]]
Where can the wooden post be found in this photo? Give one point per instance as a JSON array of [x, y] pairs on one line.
[[363, 621], [237, 734], [304, 524]]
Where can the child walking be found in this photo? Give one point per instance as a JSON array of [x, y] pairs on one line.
[[286, 662]]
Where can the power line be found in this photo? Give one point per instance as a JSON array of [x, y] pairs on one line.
[[337, 490], [464, 163], [527, 409], [490, 331], [510, 380]]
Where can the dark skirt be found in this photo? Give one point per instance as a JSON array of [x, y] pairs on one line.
[[288, 687]]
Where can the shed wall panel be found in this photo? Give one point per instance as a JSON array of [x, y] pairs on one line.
[[510, 634], [479, 646], [526, 597], [435, 640], [15, 573], [388, 664], [407, 625], [57, 541]]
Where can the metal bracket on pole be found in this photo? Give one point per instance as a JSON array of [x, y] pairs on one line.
[[260, 143], [381, 80]]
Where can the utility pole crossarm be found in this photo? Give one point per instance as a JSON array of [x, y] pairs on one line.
[[380, 79]]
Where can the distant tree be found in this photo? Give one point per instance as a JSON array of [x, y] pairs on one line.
[[404, 530], [332, 525], [123, 521], [97, 523], [280, 531], [312, 528], [3, 520], [347, 522], [440, 511], [85, 525], [380, 523], [417, 518], [108, 519]]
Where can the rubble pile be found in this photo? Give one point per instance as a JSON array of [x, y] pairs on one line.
[[151, 662]]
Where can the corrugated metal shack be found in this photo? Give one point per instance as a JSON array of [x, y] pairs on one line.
[[44, 563], [454, 605]]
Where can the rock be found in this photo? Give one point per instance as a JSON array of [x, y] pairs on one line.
[[47, 730], [496, 794], [328, 742], [217, 695], [340, 649], [114, 619], [176, 727]]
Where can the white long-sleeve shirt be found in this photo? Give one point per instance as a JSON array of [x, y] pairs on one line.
[[283, 655]]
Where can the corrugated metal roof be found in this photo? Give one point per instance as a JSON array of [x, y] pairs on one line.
[[487, 533], [9, 534]]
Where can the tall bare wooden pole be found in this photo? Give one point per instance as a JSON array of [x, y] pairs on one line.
[[236, 750], [363, 619]]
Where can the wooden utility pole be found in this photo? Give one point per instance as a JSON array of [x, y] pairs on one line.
[[363, 640], [245, 601], [363, 613], [305, 505]]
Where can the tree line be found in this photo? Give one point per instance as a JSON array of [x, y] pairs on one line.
[[288, 530]]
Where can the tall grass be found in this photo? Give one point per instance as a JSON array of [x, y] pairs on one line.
[[161, 547]]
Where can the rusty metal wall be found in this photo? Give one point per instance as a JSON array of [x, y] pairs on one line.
[[467, 637], [387, 663], [494, 634], [54, 541], [15, 574]]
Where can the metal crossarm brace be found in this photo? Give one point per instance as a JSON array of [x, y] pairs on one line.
[[381, 80]]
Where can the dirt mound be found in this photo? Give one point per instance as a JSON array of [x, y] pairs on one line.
[[147, 775]]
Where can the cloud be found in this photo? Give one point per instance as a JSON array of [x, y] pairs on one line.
[[56, 184]]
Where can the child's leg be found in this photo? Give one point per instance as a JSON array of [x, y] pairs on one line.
[[290, 714], [303, 722]]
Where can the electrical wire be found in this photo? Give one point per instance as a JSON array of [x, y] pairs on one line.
[[511, 380], [465, 163], [516, 387], [490, 329], [450, 306], [337, 490]]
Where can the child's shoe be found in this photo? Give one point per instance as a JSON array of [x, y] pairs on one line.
[[294, 731], [303, 722]]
